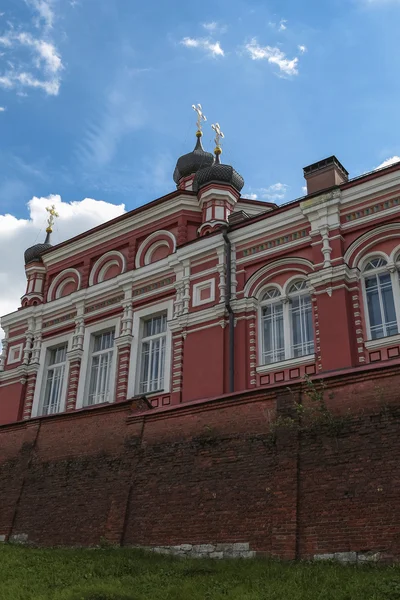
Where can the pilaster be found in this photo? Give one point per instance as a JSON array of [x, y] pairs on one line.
[[74, 357], [3, 355]]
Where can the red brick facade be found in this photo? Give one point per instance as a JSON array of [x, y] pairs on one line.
[[213, 473], [139, 376]]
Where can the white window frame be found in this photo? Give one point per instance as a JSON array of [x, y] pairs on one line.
[[12, 361], [394, 277], [84, 377], [284, 298], [135, 361], [40, 387], [197, 289]]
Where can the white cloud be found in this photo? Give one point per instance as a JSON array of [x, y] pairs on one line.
[[16, 235], [251, 196], [388, 162], [5, 81], [42, 68], [213, 48], [282, 25], [304, 189], [44, 8], [276, 191], [274, 56], [214, 27], [302, 48], [2, 108]]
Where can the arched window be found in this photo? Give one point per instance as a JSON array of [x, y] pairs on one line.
[[286, 324], [302, 333], [380, 305]]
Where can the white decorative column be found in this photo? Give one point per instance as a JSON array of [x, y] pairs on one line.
[[37, 341], [3, 355], [74, 357], [186, 286], [123, 345], [233, 272], [29, 340], [221, 272]]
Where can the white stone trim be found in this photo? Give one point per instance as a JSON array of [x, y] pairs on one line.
[[382, 342], [111, 254], [62, 285], [367, 189], [287, 321], [285, 364], [291, 264], [197, 289], [393, 228], [152, 248], [20, 347], [394, 277], [152, 236], [134, 363], [39, 388], [91, 330], [276, 222], [131, 224], [58, 277]]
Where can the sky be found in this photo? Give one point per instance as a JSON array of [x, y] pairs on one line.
[[96, 96]]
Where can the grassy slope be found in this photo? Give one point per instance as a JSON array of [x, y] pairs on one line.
[[123, 574]]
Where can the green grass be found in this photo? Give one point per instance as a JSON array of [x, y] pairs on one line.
[[125, 574]]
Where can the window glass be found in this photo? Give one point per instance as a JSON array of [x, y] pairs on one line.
[[100, 368], [54, 378], [152, 354]]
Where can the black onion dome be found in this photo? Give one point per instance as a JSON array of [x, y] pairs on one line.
[[218, 173], [189, 164], [34, 253]]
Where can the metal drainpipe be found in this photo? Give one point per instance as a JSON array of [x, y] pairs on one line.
[[228, 254]]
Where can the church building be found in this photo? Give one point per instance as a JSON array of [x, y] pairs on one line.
[[204, 293]]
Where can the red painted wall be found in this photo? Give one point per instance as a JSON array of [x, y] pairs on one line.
[[203, 364], [10, 403], [212, 472]]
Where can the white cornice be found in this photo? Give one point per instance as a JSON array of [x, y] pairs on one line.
[[378, 186], [382, 342], [265, 253], [373, 217], [322, 211], [285, 364], [251, 209], [267, 226], [128, 225], [195, 318], [330, 274]]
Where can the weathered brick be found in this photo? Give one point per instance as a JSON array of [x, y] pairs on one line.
[[213, 481]]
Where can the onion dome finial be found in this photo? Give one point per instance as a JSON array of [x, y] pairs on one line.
[[218, 172], [34, 253], [190, 163]]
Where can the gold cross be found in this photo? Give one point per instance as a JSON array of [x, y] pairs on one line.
[[52, 216], [200, 115], [218, 134]]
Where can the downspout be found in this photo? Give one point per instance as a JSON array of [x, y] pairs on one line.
[[228, 295]]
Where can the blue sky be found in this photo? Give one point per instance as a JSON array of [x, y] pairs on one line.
[[97, 94], [117, 112]]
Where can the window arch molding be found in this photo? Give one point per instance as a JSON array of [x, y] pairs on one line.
[[381, 294], [156, 236], [301, 268], [394, 257], [58, 279], [364, 244], [103, 263], [285, 321]]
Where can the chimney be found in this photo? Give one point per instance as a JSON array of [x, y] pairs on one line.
[[324, 174]]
